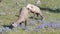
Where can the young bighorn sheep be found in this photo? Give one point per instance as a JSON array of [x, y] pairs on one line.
[[22, 17], [34, 9]]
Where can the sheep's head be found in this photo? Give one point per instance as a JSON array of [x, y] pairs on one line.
[[13, 24], [30, 7]]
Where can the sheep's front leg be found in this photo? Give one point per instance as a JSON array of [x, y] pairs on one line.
[[35, 16], [25, 23], [40, 15]]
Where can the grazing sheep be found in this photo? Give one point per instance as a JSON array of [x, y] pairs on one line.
[[22, 17], [24, 14], [34, 9]]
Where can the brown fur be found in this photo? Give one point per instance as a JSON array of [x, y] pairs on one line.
[[22, 17], [34, 9]]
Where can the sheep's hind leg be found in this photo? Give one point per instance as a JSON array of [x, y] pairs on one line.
[[42, 17]]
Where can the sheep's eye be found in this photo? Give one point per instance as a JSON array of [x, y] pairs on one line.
[[28, 8]]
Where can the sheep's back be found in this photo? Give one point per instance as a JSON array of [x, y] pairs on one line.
[[24, 13]]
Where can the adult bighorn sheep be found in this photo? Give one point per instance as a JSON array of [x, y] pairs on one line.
[[36, 10], [22, 17]]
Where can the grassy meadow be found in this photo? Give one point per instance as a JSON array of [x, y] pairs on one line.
[[10, 8]]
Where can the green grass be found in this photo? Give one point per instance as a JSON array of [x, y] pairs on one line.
[[12, 7]]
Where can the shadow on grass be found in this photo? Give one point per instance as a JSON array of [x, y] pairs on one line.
[[51, 10], [9, 26]]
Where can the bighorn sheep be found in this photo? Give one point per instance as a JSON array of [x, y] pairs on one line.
[[25, 14], [34, 9], [22, 17]]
